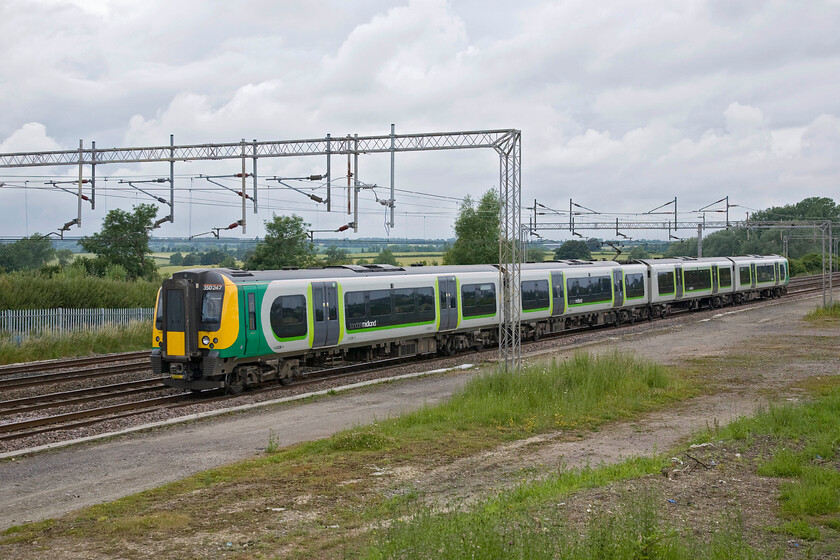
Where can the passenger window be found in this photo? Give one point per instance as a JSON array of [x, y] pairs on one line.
[[354, 305], [404, 301], [725, 278], [380, 303], [665, 281], [534, 294], [634, 286], [288, 316]]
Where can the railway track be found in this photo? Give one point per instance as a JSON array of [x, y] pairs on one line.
[[69, 363], [72, 375], [66, 421]]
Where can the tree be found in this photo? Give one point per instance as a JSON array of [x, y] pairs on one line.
[[191, 259], [476, 232], [286, 244], [573, 249], [29, 253], [124, 240], [639, 252], [64, 256], [385, 256], [593, 244], [534, 254], [213, 256], [335, 256], [176, 259]]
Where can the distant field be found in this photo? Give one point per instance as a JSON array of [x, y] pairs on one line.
[[404, 259]]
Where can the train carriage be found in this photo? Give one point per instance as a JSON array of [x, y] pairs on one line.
[[223, 328]]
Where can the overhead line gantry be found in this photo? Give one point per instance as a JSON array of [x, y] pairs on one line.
[[506, 142]]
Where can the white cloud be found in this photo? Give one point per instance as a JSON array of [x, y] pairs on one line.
[[31, 137]]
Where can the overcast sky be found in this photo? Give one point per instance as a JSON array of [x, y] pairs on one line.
[[622, 105]]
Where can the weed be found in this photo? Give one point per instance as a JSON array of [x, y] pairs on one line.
[[496, 530], [828, 313], [799, 529], [273, 442]]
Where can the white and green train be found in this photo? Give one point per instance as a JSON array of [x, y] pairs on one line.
[[222, 328]]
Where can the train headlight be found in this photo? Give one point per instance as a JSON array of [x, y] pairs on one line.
[[205, 340], [157, 339], [215, 341]]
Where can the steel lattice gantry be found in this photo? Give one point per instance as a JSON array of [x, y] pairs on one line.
[[506, 142]]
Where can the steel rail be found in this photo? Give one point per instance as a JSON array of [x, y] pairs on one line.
[[79, 396], [147, 404], [27, 367], [74, 375]]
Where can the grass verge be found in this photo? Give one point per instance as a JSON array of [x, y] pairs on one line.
[[331, 482], [803, 442], [500, 529], [829, 314], [136, 336]]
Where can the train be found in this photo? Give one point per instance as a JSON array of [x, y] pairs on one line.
[[230, 329]]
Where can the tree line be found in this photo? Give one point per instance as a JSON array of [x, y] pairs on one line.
[[121, 247]]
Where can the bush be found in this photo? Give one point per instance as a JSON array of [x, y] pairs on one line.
[[73, 290]]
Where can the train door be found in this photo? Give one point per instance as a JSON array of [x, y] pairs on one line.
[[178, 322], [252, 335], [618, 287], [778, 278], [678, 281], [752, 275], [325, 314], [448, 294], [715, 285], [557, 290]]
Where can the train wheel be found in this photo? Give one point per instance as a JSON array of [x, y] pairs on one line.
[[234, 384]]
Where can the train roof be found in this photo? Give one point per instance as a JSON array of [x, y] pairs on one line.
[[353, 271], [701, 260], [374, 270]]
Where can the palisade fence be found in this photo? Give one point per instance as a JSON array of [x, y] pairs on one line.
[[22, 323]]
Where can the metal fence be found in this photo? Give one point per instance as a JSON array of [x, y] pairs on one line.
[[34, 322]]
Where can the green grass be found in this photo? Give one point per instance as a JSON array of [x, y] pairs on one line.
[[829, 313], [805, 441], [583, 391], [136, 336], [501, 528]]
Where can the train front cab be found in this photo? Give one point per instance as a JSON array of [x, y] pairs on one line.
[[190, 329]]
